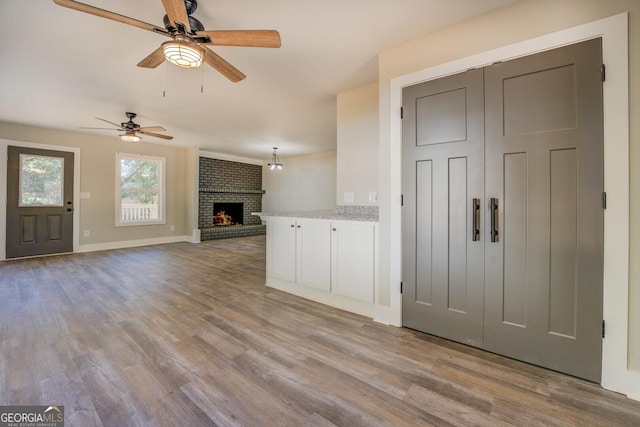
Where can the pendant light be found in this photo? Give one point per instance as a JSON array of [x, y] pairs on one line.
[[275, 161]]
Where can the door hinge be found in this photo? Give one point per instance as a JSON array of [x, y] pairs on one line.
[[603, 72], [400, 287], [603, 328], [604, 200], [402, 200], [401, 113]]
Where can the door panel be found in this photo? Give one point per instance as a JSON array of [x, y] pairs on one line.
[[563, 245], [544, 162], [424, 232], [352, 258], [282, 249], [313, 254], [514, 237], [443, 130], [458, 224], [39, 202], [442, 117]]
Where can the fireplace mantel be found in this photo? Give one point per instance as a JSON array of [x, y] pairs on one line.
[[230, 190]]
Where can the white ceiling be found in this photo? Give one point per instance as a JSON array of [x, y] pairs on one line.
[[60, 68]]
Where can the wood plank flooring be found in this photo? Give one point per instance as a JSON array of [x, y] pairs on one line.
[[188, 335]]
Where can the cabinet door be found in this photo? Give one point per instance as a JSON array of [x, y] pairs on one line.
[[353, 260], [314, 259], [281, 253]]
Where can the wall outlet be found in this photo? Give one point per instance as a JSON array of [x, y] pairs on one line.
[[373, 197], [87, 233], [173, 227], [348, 197]]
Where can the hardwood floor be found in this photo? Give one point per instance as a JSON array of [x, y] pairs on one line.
[[188, 335]]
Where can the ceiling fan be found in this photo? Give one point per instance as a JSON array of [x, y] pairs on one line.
[[131, 129], [188, 37]]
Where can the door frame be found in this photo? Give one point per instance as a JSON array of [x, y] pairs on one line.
[[4, 143], [614, 32]]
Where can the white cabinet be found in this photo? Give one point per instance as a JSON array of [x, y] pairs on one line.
[[329, 261], [281, 248], [352, 260], [313, 254], [298, 251]]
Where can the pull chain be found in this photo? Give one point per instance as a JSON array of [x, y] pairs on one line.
[[164, 88], [202, 80]]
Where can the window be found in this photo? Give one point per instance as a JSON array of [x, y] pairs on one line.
[[140, 189]]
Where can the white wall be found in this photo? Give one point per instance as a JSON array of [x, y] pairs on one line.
[[306, 183], [357, 142]]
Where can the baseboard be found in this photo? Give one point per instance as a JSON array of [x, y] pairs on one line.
[[382, 315], [633, 381], [132, 243], [326, 298]]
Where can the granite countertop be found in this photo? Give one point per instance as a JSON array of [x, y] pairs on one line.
[[351, 213]]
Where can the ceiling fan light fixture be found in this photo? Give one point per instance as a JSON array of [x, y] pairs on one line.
[[183, 54], [130, 137], [275, 161]]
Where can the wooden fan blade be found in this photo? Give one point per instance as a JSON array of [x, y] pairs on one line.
[[75, 5], [155, 135], [248, 38], [83, 127], [153, 60], [118, 125], [152, 128], [226, 69], [177, 13]]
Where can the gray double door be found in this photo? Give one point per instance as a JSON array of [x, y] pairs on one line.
[[503, 213]]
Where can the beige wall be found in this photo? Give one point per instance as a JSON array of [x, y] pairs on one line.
[[97, 176], [306, 183], [357, 144], [522, 21]]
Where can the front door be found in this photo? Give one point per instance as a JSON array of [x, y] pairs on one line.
[[39, 202], [523, 173]]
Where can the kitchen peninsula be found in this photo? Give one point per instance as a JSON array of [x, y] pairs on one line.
[[326, 256]]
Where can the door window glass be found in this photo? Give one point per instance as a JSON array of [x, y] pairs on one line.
[[41, 180]]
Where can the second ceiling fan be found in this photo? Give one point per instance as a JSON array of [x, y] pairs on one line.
[[188, 37]]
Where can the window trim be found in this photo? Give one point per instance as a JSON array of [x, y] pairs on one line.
[[162, 193]]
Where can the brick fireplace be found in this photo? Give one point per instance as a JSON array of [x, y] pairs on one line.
[[228, 193]]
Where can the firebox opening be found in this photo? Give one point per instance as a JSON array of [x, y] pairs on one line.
[[227, 214]]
